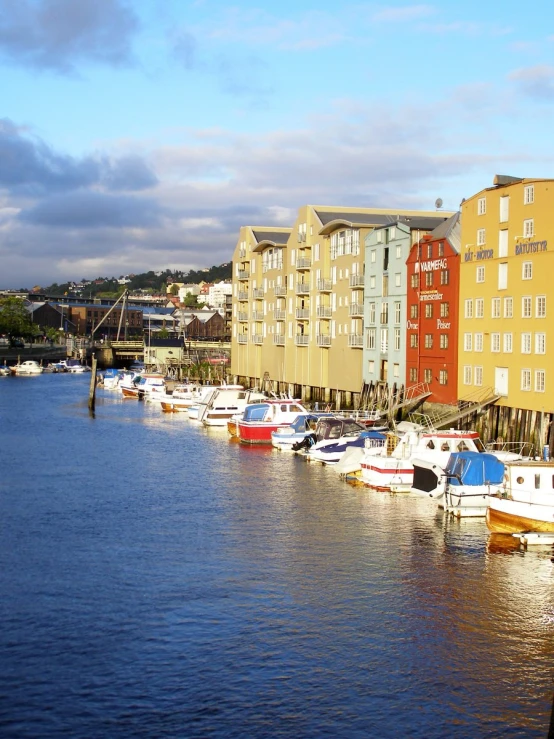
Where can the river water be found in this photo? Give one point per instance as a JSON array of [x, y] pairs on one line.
[[159, 580]]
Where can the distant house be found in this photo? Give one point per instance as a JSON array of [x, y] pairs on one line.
[[45, 315]]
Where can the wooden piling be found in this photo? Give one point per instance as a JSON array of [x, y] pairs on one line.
[[92, 388]]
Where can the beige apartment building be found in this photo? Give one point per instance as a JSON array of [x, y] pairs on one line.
[[298, 302]]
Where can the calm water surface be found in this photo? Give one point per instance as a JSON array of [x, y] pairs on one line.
[[158, 580]]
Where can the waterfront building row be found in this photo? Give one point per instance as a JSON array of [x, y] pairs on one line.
[[349, 297]]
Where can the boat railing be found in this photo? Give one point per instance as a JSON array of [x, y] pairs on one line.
[[525, 449]]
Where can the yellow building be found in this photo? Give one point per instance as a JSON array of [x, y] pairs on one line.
[[507, 264], [298, 302]]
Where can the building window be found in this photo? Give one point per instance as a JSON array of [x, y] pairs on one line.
[[396, 370], [428, 279], [445, 310], [508, 307], [480, 274], [397, 339], [397, 279], [479, 307], [495, 342], [481, 237], [372, 282], [495, 308], [508, 343], [428, 341], [413, 341], [373, 257], [526, 379], [384, 318], [384, 340], [371, 335], [540, 307], [504, 208], [468, 342], [528, 194], [481, 206], [371, 366], [526, 307], [540, 377], [443, 341], [399, 251], [478, 342], [443, 377], [429, 251], [372, 312], [478, 376], [503, 276], [385, 283], [540, 343], [429, 310], [413, 374], [528, 228], [445, 277], [527, 271], [413, 311], [397, 312], [427, 375], [414, 280], [441, 249], [526, 343], [468, 308], [467, 374]]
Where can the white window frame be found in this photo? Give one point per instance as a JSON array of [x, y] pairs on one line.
[[495, 308], [481, 206], [540, 343], [528, 194], [526, 343], [528, 228], [526, 306], [527, 271], [526, 379], [468, 374], [495, 342], [481, 237], [540, 306], [478, 376], [508, 307], [468, 308], [480, 273], [508, 343], [540, 380], [479, 308], [478, 342], [468, 342]]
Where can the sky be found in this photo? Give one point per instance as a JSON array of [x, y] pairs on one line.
[[141, 135]]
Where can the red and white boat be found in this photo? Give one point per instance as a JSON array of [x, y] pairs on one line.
[[260, 420], [142, 386]]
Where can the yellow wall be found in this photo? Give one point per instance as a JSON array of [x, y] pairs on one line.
[[502, 370]]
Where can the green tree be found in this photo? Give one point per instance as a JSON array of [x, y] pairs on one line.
[[15, 319]]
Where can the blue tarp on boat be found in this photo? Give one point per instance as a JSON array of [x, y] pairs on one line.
[[474, 468]]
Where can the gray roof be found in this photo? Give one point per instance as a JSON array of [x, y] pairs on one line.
[[278, 237], [451, 230], [362, 219], [423, 223]]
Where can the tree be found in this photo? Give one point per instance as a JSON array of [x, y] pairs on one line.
[[15, 319]]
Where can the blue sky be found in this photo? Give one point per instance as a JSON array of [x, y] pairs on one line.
[[141, 135]]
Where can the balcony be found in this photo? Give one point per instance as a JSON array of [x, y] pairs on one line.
[[258, 292], [303, 314], [301, 339], [356, 341], [257, 338], [279, 339], [303, 263], [356, 309], [356, 280], [302, 288], [242, 316], [242, 338], [325, 286], [324, 339], [280, 290], [244, 274], [280, 315], [324, 311], [243, 295], [258, 315]]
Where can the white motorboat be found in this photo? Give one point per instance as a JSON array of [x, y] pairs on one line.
[[334, 436], [285, 437], [143, 385], [28, 367], [524, 503], [226, 402], [181, 399]]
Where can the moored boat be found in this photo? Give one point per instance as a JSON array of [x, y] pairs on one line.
[[227, 402], [525, 503], [143, 385], [261, 419], [28, 367]]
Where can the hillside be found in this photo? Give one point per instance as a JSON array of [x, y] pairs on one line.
[[149, 283]]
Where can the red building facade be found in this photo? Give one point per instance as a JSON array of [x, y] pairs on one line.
[[433, 269]]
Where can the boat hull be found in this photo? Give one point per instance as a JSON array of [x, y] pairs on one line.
[[256, 433], [505, 516]]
